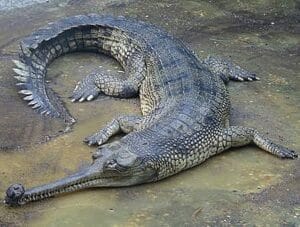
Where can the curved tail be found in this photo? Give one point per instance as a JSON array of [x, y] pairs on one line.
[[39, 96], [76, 33]]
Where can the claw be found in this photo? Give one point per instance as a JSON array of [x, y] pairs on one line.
[[286, 153], [81, 100], [90, 97]]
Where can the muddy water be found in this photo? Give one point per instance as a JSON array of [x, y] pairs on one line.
[[242, 186]]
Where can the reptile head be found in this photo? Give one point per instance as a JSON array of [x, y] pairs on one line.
[[113, 165], [122, 167]]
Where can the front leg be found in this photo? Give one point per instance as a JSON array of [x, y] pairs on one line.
[[123, 124]]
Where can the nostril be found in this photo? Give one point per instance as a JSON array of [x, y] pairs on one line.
[[13, 194], [15, 191]]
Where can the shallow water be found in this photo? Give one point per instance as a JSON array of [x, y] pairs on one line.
[[243, 186]]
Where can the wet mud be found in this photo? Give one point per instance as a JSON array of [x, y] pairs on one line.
[[244, 186]]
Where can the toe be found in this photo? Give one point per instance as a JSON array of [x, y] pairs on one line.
[[286, 153], [90, 97], [90, 140]]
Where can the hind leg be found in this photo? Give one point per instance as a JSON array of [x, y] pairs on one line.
[[99, 83], [236, 136], [113, 85], [227, 70]]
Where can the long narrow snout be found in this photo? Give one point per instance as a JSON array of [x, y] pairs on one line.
[[91, 176], [101, 173]]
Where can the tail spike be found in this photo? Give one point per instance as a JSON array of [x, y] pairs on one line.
[[28, 98], [21, 72], [25, 92], [33, 102], [20, 64], [21, 78], [37, 105]]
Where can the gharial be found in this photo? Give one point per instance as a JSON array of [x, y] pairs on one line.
[[184, 103]]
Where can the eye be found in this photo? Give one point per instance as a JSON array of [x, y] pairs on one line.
[[127, 159], [111, 164]]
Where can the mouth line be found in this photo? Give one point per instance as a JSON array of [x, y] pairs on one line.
[[69, 187]]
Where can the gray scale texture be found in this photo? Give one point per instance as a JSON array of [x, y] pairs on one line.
[[184, 100]]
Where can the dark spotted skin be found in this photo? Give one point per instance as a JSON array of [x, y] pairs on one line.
[[184, 101]]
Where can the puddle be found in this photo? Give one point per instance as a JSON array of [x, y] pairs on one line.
[[244, 186]]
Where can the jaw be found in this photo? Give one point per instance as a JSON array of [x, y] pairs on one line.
[[92, 176]]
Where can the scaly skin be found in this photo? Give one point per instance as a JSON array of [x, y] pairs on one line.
[[184, 103]]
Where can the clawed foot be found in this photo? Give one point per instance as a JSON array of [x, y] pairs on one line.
[[96, 139], [85, 90], [284, 152], [228, 70], [96, 154], [239, 74]]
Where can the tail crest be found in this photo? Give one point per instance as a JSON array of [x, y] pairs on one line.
[[38, 94]]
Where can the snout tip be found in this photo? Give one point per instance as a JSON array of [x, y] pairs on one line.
[[13, 195]]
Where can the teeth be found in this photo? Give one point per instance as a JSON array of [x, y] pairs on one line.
[[19, 64], [69, 188], [20, 72], [25, 92]]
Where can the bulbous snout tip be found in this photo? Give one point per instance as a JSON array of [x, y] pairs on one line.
[[13, 194]]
